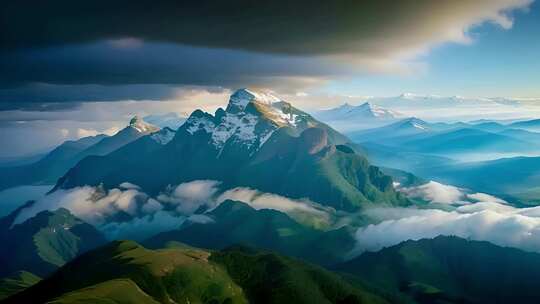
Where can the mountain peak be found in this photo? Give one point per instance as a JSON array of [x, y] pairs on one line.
[[416, 123], [142, 126], [242, 97], [346, 106]]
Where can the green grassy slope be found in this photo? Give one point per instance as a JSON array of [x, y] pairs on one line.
[[125, 272], [271, 278], [45, 242], [167, 275], [16, 283]]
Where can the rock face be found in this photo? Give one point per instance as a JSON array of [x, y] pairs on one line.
[[259, 141]]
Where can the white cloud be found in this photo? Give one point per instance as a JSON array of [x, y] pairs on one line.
[[436, 193], [259, 200], [483, 197], [94, 205], [128, 185], [86, 132], [190, 196], [487, 221]]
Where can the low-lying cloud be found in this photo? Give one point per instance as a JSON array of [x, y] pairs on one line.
[[128, 212], [435, 192], [475, 216]]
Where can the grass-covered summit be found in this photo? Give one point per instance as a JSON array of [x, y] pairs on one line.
[[125, 272]]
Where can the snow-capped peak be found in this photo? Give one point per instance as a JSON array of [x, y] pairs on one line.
[[242, 97], [250, 118], [142, 126], [416, 123], [356, 113]]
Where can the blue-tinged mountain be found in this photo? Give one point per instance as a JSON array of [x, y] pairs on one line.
[[56, 163], [452, 270], [183, 274], [529, 125], [467, 140], [259, 141], [515, 179], [45, 242], [347, 118], [48, 168], [389, 133]]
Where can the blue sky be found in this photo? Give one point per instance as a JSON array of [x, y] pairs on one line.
[[498, 63]]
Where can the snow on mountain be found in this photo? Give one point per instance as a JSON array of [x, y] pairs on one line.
[[349, 118], [250, 118], [363, 111], [142, 126], [163, 136]]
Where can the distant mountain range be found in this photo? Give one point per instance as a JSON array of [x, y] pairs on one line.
[[348, 117], [515, 179], [451, 139], [53, 165]]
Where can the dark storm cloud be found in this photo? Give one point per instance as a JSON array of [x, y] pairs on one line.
[[102, 50], [279, 26], [117, 70], [106, 63]]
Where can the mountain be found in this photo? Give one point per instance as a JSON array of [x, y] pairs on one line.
[[60, 160], [188, 275], [490, 126], [136, 128], [260, 142], [515, 179], [348, 117], [452, 270], [397, 158], [521, 135], [16, 283], [50, 167], [406, 127], [238, 223], [169, 120], [416, 101], [466, 140], [529, 125], [44, 242]]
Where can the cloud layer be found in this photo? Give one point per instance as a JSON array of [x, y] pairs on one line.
[[476, 216], [299, 27], [127, 212], [281, 45]]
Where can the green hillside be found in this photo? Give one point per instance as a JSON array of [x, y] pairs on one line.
[[45, 242], [16, 283], [182, 274], [238, 223], [452, 270]]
